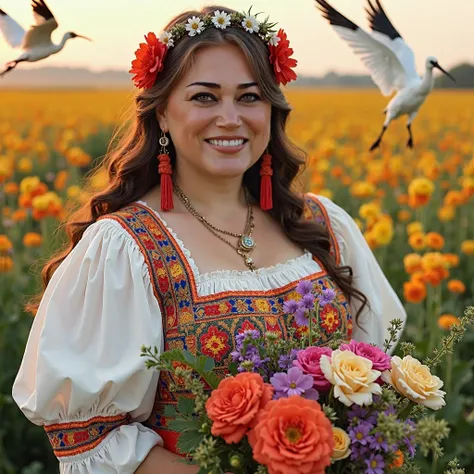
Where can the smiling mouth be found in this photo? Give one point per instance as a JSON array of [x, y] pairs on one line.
[[227, 143]]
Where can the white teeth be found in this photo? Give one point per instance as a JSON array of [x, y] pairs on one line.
[[227, 142]]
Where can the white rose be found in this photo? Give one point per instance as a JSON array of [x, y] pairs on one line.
[[352, 377], [415, 382]]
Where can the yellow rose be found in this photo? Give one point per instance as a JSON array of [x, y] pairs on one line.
[[415, 382], [342, 443], [352, 376]]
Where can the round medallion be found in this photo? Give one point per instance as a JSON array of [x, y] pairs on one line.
[[247, 242]]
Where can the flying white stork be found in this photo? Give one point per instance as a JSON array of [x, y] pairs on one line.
[[36, 42], [390, 60]]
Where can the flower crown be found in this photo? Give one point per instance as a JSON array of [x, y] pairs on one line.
[[150, 56]]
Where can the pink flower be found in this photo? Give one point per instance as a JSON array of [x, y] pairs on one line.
[[308, 360], [380, 360]]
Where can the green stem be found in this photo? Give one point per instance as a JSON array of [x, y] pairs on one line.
[[434, 466], [449, 372], [310, 321]]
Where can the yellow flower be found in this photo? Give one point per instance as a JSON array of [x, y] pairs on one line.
[[29, 184], [362, 189], [412, 262], [446, 213], [326, 193], [383, 231], [467, 247], [352, 376], [421, 187], [11, 188], [73, 191], [404, 215], [24, 165], [370, 211], [414, 227], [342, 444], [417, 241], [415, 382]]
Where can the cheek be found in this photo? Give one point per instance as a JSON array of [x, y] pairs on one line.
[[259, 121]]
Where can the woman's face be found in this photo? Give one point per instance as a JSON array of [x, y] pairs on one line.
[[216, 116]]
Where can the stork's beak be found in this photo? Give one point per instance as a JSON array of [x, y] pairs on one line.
[[85, 37], [437, 66]]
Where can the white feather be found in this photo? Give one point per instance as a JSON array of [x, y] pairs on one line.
[[40, 35], [11, 30], [392, 66]]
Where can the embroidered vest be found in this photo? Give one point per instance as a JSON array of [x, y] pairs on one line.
[[207, 324]]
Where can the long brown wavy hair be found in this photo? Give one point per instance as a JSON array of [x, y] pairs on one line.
[[132, 165]]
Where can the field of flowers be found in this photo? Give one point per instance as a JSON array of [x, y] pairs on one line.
[[415, 208]]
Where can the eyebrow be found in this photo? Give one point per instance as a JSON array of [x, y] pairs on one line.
[[213, 85]]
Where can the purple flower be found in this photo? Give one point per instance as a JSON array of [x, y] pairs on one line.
[[290, 306], [375, 464], [357, 414], [380, 360], [292, 383], [286, 361], [304, 287], [360, 434], [307, 302], [379, 443], [301, 317], [251, 334], [327, 297]]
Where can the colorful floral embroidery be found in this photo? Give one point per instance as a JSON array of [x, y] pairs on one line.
[[330, 319], [215, 343], [209, 324], [69, 439]]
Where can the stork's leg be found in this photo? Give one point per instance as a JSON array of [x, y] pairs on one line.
[[379, 139], [9, 66], [410, 143]]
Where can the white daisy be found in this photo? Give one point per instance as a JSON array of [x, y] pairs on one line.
[[167, 38], [194, 25], [221, 19], [274, 40], [250, 23]]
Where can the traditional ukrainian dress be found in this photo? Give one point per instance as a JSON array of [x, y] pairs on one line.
[[131, 282]]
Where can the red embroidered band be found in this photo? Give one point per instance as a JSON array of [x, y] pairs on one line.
[[69, 439]]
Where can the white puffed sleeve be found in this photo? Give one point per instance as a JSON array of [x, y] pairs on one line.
[[369, 278], [82, 376]]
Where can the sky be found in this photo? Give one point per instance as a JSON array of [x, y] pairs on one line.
[[442, 28]]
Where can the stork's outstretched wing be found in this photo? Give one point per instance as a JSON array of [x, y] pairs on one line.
[[384, 31], [386, 68], [40, 33], [11, 30]]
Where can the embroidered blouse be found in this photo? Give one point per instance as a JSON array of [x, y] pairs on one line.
[[82, 377]]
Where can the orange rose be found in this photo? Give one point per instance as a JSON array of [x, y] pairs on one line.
[[292, 435], [234, 404]]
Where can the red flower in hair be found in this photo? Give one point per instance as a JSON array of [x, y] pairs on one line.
[[150, 57], [281, 60]]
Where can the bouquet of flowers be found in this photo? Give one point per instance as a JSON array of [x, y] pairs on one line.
[[292, 407]]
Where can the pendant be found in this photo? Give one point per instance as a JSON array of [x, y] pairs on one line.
[[247, 243]]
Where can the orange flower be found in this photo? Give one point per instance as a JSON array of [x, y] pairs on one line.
[[467, 247], [292, 435], [11, 188], [434, 240], [32, 239], [451, 259], [417, 241], [19, 215], [398, 461], [412, 262], [445, 321], [6, 264], [404, 215], [5, 244], [234, 404], [456, 286], [414, 291]]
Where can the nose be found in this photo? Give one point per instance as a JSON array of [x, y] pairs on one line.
[[229, 115]]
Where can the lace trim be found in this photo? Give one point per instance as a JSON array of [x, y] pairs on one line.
[[231, 274]]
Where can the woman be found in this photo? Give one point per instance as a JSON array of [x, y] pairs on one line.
[[189, 249]]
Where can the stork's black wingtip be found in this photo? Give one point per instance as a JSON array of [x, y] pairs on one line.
[[2, 12]]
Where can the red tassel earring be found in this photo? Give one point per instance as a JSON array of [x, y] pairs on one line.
[[266, 192], [165, 170]]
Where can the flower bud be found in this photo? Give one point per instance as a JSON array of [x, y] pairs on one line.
[[235, 461]]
